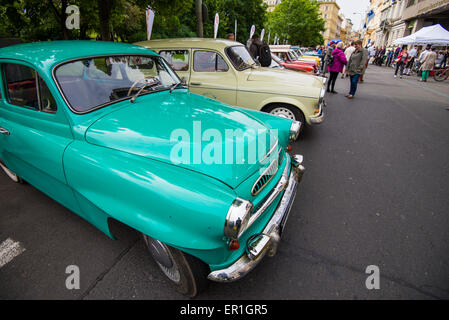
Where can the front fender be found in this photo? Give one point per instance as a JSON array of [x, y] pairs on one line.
[[180, 207]]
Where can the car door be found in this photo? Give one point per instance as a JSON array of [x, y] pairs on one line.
[[35, 131], [179, 60], [212, 76]]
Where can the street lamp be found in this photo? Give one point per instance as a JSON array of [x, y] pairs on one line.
[[361, 23]]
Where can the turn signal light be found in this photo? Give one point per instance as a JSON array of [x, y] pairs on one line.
[[234, 245], [289, 148]]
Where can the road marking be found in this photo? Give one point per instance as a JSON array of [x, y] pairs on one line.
[[9, 250], [426, 88]]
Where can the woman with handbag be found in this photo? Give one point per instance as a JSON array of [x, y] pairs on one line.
[[401, 62], [338, 62]]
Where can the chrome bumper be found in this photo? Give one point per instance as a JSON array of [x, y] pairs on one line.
[[320, 118], [270, 236]]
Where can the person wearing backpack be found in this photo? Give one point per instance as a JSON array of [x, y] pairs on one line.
[[260, 51], [328, 57]]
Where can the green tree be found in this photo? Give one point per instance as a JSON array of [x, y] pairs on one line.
[[297, 21], [246, 13]]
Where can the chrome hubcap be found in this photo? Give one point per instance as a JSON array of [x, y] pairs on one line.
[[283, 113], [164, 259]]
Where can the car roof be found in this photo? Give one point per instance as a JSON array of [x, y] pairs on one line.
[[48, 53], [207, 43]]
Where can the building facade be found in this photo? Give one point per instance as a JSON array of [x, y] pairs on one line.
[[391, 25], [372, 22], [423, 13], [329, 11], [271, 4]]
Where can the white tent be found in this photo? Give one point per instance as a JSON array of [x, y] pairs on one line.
[[435, 35]]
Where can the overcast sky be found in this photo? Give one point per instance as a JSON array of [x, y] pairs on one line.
[[348, 7]]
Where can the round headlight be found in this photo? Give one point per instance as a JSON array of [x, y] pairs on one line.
[[294, 130], [237, 218]]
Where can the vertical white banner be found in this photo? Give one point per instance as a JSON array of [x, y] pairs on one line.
[[262, 34], [216, 23], [253, 30], [150, 20], [235, 30], [269, 36]]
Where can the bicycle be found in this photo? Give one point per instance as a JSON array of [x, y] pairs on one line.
[[441, 74]]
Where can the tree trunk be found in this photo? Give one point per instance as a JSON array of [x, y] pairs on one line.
[[104, 13], [61, 17], [199, 17]]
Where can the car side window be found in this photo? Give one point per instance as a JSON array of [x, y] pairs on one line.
[[47, 102], [25, 88], [21, 85], [208, 61], [178, 59]]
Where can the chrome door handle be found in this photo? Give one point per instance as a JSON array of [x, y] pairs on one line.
[[195, 83], [4, 131]]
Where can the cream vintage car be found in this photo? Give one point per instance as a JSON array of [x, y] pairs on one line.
[[224, 70]]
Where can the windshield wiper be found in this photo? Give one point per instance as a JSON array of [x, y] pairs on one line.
[[174, 86], [148, 84]]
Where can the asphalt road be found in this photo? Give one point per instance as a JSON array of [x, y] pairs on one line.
[[376, 192]]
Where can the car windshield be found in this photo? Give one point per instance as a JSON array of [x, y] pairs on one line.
[[275, 62], [91, 83], [292, 55], [240, 57]]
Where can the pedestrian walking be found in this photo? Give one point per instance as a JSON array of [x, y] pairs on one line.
[[338, 62], [390, 55], [348, 52], [328, 57], [356, 65], [260, 51], [411, 60], [401, 62], [446, 56], [428, 63]]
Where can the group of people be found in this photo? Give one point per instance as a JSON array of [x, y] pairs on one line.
[[350, 60], [404, 61]]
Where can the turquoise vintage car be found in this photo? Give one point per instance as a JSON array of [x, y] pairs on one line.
[[109, 131]]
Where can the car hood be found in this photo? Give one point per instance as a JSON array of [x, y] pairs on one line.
[[286, 79], [176, 128]]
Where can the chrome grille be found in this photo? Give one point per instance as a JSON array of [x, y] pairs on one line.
[[266, 176]]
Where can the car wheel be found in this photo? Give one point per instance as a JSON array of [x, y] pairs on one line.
[[187, 273], [288, 112], [14, 177]]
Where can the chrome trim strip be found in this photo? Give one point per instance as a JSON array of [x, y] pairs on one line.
[[281, 186], [273, 230], [271, 151]]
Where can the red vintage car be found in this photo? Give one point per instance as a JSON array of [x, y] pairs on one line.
[[291, 60], [293, 66]]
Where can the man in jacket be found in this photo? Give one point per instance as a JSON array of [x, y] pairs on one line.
[[356, 66]]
